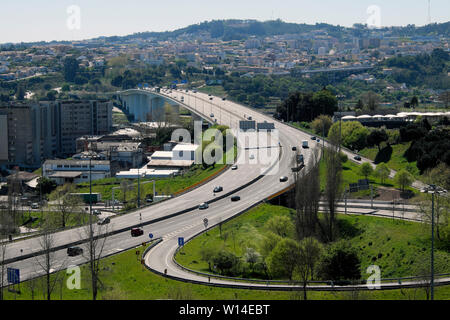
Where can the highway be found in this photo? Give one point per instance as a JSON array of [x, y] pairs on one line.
[[229, 113], [255, 183]]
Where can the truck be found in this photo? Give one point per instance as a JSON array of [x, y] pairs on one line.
[[88, 197], [305, 144]]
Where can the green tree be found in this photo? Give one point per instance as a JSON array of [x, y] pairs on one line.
[[71, 68], [382, 171], [404, 179], [366, 170], [376, 137], [354, 134], [283, 259], [45, 185], [322, 124], [269, 242], [340, 262], [280, 225]]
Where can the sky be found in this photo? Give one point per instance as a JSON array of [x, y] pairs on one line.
[[46, 20]]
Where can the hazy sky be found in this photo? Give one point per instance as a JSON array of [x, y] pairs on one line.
[[35, 20]]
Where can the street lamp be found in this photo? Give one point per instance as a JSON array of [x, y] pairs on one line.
[[432, 189]]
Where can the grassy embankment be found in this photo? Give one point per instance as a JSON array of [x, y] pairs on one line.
[[124, 277], [392, 245]]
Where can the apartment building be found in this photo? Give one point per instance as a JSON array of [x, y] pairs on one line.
[[76, 171], [31, 132], [79, 118]]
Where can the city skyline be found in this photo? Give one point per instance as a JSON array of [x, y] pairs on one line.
[[80, 20]]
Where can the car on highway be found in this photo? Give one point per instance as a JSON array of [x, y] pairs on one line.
[[294, 148], [104, 221], [203, 206], [357, 158], [35, 205], [136, 232], [318, 140], [235, 198], [209, 95], [234, 167], [313, 138], [223, 99], [96, 212], [252, 157], [218, 189], [74, 251], [283, 179], [211, 98], [212, 115]]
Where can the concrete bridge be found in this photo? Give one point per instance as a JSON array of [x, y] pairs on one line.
[[147, 105]]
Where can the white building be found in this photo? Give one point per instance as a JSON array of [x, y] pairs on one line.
[[75, 171]]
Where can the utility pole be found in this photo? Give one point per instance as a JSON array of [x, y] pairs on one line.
[[139, 190]]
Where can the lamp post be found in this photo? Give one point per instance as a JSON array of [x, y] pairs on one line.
[[432, 189]]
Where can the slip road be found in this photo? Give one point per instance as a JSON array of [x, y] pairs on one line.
[[251, 309]]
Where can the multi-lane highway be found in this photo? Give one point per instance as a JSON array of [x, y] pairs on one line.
[[227, 113]]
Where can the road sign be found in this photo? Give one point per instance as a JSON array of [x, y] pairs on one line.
[[150, 235], [13, 275], [181, 241]]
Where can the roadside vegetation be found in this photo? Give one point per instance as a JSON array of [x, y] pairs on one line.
[[124, 278]]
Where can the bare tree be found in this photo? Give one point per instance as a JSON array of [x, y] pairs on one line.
[[47, 261], [97, 236], [2, 261], [307, 193], [67, 202], [333, 191], [310, 250]]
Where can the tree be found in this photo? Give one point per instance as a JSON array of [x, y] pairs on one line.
[[70, 69], [280, 225], [422, 268], [20, 92], [353, 134], [207, 254], [252, 257], [46, 185], [307, 194], [366, 170], [125, 186], [309, 255], [47, 260], [404, 179], [66, 202], [414, 102], [340, 262], [376, 137], [97, 237], [322, 124], [283, 259], [333, 191], [371, 100], [269, 242], [225, 261], [382, 171]]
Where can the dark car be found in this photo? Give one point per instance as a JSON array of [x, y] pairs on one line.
[[224, 99], [96, 212], [74, 251], [357, 158], [218, 189], [211, 98], [313, 138], [235, 198], [294, 148], [136, 232], [283, 179]]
